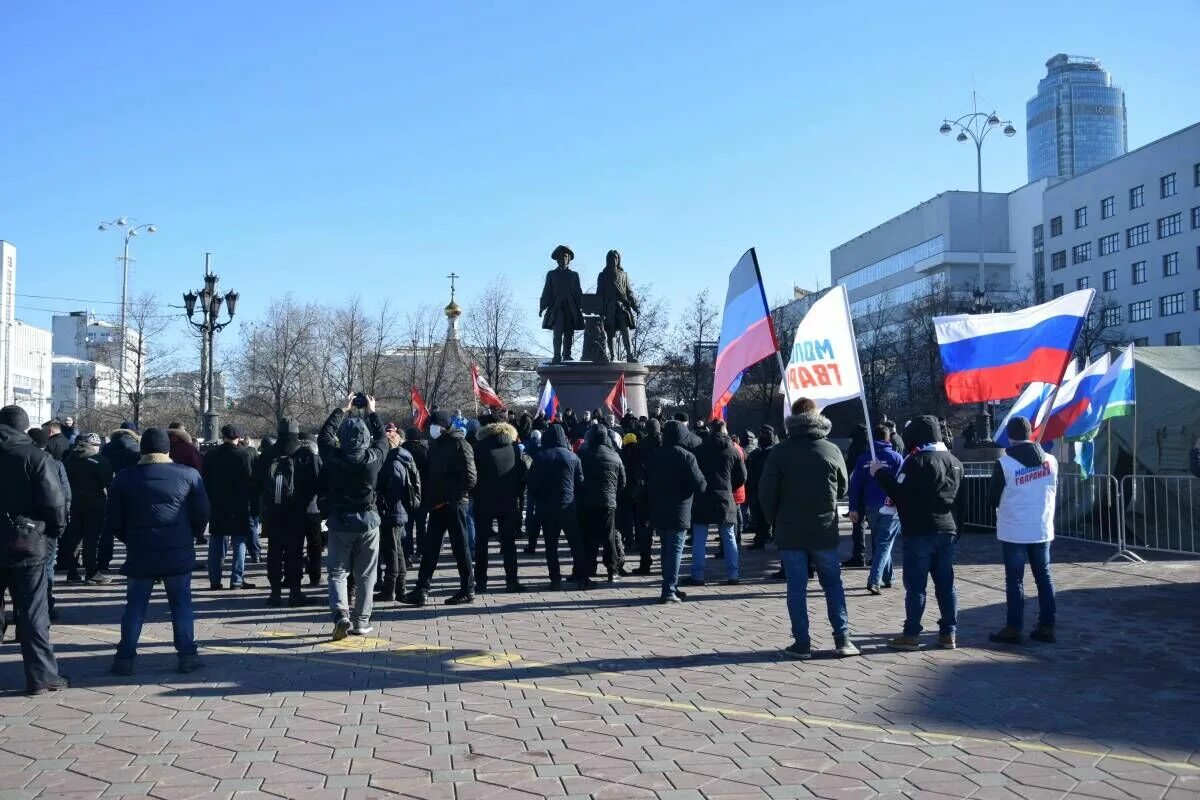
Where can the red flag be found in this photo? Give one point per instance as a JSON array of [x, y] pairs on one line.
[[483, 390], [616, 401], [419, 411]]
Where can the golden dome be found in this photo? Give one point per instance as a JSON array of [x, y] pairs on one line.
[[452, 310]]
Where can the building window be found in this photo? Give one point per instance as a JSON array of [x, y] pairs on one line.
[[1138, 234], [1196, 217], [1196, 299], [1110, 280], [1170, 265], [1037, 235], [1057, 291], [1081, 218], [1111, 316], [1083, 283], [1166, 185], [1170, 225], [1136, 197], [1108, 207], [1196, 175], [1058, 260], [1172, 339], [1110, 244], [1056, 226], [1081, 253], [1171, 304], [1141, 341], [1139, 272], [1140, 311]]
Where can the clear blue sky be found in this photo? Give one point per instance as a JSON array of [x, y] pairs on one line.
[[335, 149]]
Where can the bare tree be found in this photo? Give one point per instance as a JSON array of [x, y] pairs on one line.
[[1102, 331], [876, 332], [149, 358], [686, 375], [494, 329], [649, 339], [276, 354]]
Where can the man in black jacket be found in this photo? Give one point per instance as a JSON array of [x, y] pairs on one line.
[[555, 483], [229, 471], [90, 475], [644, 531], [603, 484], [724, 472], [926, 493], [57, 444], [673, 477], [451, 478], [287, 478], [32, 512], [501, 472], [414, 529], [755, 463], [352, 451], [398, 491]]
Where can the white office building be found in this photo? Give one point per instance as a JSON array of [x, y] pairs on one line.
[[25, 350], [78, 385]]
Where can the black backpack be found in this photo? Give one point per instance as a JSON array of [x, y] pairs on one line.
[[412, 500], [281, 482]]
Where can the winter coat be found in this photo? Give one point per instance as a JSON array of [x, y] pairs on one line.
[[419, 450], [631, 459], [122, 449], [352, 456], [724, 471], [158, 509], [306, 468], [739, 494], [801, 483], [90, 475], [452, 473], [556, 476], [392, 489], [865, 492], [927, 485], [229, 480], [64, 483], [603, 473], [858, 444], [755, 463], [183, 451], [58, 446], [32, 497], [500, 467], [673, 477]]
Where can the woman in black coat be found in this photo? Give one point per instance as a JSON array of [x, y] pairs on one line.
[[158, 509]]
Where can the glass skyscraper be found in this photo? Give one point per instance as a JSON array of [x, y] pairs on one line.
[[1076, 121]]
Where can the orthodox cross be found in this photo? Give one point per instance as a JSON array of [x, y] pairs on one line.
[[453, 277]]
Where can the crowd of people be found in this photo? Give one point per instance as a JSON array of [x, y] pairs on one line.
[[370, 501]]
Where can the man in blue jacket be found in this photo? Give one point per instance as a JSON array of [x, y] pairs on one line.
[[555, 480], [870, 503], [158, 509]]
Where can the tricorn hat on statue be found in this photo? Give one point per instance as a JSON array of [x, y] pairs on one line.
[[562, 248]]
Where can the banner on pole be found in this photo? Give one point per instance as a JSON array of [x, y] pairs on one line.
[[823, 362]]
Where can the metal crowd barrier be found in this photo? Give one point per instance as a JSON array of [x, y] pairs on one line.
[[977, 510], [1162, 513]]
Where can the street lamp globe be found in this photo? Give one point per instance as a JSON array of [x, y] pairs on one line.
[[103, 226], [151, 229], [993, 120], [231, 299], [189, 303], [122, 222], [1009, 130], [962, 137], [945, 129]]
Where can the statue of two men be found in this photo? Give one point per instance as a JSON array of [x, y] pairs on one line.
[[561, 304]]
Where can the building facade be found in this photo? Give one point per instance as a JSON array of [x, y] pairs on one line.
[[1130, 229], [1076, 122], [8, 299], [29, 370], [78, 386]]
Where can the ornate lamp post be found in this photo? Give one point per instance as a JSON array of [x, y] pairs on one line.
[[208, 302]]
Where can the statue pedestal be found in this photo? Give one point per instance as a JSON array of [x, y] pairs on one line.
[[583, 385]]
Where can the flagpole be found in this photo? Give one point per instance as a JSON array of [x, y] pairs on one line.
[[1054, 398], [862, 395], [787, 392]]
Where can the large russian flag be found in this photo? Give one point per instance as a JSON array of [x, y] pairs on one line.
[[747, 335], [991, 356], [1073, 401]]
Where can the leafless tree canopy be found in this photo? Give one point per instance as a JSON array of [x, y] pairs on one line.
[[493, 330]]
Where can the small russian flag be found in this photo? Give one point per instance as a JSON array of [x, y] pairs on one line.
[[548, 402]]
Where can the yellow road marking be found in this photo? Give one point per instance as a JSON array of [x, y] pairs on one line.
[[500, 659]]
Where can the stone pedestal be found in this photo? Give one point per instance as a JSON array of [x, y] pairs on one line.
[[583, 385]]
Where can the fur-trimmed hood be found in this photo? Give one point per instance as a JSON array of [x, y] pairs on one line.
[[810, 424], [179, 433], [498, 429], [119, 432]]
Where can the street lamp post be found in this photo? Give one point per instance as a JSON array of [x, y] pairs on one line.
[[129, 229], [975, 127], [210, 309]]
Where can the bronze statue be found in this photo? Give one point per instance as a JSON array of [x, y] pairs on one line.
[[562, 303], [617, 304]]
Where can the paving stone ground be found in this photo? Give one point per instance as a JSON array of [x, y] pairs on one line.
[[607, 694]]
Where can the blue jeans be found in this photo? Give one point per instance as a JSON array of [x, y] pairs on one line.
[[699, 545], [1038, 556], [216, 558], [471, 529], [672, 557], [884, 530], [51, 558], [137, 598], [254, 545], [931, 555], [829, 573]]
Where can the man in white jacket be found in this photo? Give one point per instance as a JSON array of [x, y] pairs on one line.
[[1023, 487]]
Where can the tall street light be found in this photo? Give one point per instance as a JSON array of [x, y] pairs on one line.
[[975, 127], [129, 228], [210, 301]]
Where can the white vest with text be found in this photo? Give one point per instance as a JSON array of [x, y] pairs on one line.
[[1026, 511]]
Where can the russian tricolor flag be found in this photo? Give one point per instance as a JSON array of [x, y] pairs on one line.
[[991, 356], [548, 402], [747, 335], [1074, 399]]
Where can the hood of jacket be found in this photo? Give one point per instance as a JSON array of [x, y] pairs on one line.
[[554, 436], [1028, 454], [84, 450], [922, 430], [123, 433], [500, 430], [766, 438], [809, 425], [353, 436], [180, 434], [11, 437], [881, 446], [675, 433], [599, 437], [653, 436]]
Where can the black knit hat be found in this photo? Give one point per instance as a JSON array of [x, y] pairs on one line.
[[1018, 429], [155, 440], [14, 417], [440, 418], [231, 432]]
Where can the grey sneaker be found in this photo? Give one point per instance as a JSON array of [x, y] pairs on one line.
[[800, 652], [361, 629], [341, 629], [843, 647]]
